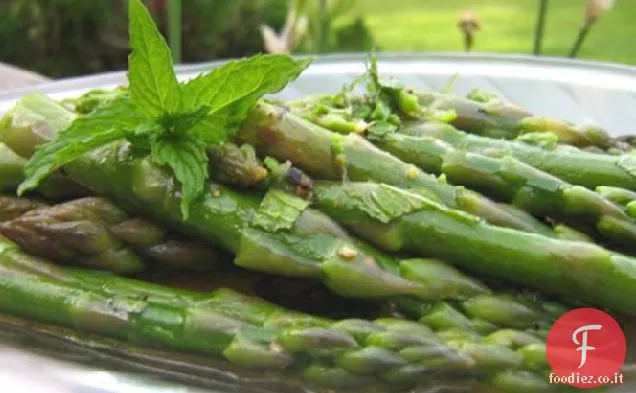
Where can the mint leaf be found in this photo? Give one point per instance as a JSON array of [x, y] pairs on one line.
[[260, 74], [278, 211], [185, 155], [389, 99], [233, 88], [104, 125], [183, 122], [55, 154], [380, 202], [152, 81], [215, 127], [380, 129]]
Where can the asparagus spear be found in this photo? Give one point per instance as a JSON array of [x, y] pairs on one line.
[[572, 269], [12, 207], [567, 233], [253, 334], [480, 114], [428, 185], [93, 232], [567, 163], [39, 233], [55, 187], [510, 180], [619, 196], [12, 169], [236, 165], [501, 178], [279, 235], [44, 232], [326, 155], [491, 117]]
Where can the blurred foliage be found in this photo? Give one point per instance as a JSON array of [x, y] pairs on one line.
[[507, 27], [320, 26], [62, 37], [74, 37], [227, 28], [344, 28], [355, 36]]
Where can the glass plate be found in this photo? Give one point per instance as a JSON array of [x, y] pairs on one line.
[[40, 359]]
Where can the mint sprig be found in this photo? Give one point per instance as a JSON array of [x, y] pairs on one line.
[[175, 122], [152, 82]]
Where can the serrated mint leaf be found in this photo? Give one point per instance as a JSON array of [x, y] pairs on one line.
[[183, 122], [142, 134], [151, 78], [233, 88], [55, 154], [260, 74], [380, 202], [214, 127], [380, 129], [86, 133], [185, 155], [278, 211], [146, 130]]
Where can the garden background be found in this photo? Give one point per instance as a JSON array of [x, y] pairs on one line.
[[61, 38]]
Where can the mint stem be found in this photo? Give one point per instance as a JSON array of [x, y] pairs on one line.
[[174, 29]]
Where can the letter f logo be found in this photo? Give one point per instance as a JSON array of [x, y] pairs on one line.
[[569, 344], [583, 344]]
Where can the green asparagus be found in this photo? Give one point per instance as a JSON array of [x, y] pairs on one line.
[[493, 118], [510, 180], [12, 169], [568, 268], [505, 179], [567, 163], [479, 113], [12, 174], [275, 132], [279, 235], [253, 334], [93, 232], [38, 232], [236, 165], [619, 196]]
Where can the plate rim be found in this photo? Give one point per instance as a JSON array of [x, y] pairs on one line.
[[110, 77]]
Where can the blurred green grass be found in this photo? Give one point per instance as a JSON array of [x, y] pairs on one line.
[[506, 26]]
